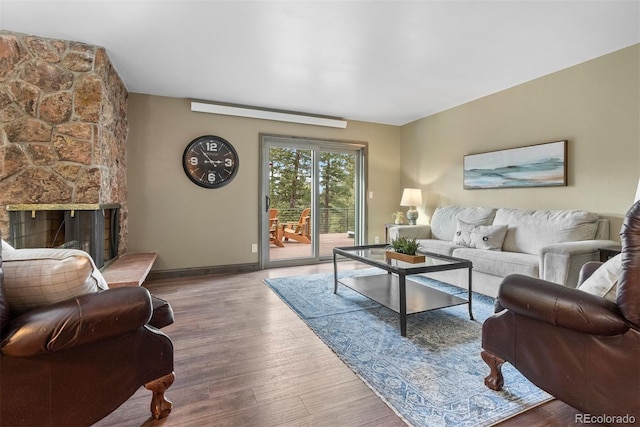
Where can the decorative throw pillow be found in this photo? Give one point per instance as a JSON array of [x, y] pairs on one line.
[[37, 277], [604, 281], [462, 237], [480, 236], [6, 248], [489, 237]]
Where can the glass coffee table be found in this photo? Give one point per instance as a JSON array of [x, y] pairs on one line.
[[393, 289]]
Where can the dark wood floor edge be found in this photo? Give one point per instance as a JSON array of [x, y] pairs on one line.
[[202, 271], [508, 419]]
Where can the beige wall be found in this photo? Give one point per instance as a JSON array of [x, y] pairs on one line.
[[594, 105], [193, 227]]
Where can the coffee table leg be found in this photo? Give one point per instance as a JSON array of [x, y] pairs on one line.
[[402, 284], [470, 294], [335, 274]]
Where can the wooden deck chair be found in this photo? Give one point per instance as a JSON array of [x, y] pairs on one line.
[[275, 231], [300, 231]]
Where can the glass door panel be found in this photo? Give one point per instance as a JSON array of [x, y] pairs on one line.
[[290, 201], [312, 194], [336, 201]]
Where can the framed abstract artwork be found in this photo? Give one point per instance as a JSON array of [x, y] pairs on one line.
[[540, 165]]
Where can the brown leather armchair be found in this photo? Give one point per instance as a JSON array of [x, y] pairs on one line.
[[578, 347], [74, 362]]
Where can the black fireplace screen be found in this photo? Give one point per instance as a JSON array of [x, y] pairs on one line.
[[94, 229]]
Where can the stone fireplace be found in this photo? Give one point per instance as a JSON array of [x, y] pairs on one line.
[[93, 228], [63, 129]]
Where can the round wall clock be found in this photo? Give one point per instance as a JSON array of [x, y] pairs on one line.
[[210, 161]]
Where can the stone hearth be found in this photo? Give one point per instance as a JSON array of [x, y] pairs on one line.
[[63, 126]]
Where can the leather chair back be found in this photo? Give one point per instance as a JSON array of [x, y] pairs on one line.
[[628, 298]]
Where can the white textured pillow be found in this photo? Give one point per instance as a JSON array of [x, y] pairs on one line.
[[443, 220], [37, 277], [490, 237], [6, 248], [463, 233], [604, 281]]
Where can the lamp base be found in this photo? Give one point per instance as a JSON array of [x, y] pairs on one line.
[[412, 215]]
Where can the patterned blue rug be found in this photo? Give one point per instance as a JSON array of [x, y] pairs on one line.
[[432, 377]]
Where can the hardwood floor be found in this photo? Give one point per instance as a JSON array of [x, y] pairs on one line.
[[243, 358]]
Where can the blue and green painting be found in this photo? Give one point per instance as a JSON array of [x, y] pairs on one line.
[[540, 165]]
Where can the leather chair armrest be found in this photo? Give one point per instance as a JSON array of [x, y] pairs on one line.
[[162, 313], [561, 306], [78, 321]]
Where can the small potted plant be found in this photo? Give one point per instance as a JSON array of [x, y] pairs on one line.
[[404, 249], [398, 217]]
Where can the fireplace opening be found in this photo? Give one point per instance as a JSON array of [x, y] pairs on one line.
[[93, 228]]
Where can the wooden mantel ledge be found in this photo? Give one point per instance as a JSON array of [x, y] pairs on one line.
[[129, 269]]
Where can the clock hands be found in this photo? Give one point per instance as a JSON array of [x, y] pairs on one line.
[[208, 158], [215, 163]]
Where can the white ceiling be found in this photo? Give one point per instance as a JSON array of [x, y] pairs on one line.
[[378, 61]]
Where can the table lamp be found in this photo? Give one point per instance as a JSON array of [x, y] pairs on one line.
[[411, 197]]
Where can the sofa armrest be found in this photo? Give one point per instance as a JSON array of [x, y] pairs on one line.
[[561, 262], [77, 321], [410, 232], [561, 306]]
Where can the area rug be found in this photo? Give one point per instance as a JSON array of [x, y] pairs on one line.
[[432, 377]]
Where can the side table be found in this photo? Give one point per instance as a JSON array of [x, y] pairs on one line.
[[606, 253]]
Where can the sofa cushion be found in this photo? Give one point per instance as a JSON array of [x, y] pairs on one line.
[[529, 231], [444, 219], [37, 277], [604, 281], [500, 263]]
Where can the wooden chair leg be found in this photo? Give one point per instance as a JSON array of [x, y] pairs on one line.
[[494, 380], [278, 233], [160, 405]]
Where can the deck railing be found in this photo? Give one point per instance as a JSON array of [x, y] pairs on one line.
[[332, 220]]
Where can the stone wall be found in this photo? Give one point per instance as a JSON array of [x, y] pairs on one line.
[[63, 118]]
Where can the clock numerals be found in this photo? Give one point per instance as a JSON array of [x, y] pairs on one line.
[[210, 161]]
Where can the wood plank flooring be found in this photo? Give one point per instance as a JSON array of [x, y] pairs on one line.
[[243, 358]]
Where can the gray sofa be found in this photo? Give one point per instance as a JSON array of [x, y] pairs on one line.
[[547, 244]]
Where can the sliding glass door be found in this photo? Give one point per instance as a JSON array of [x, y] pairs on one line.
[[290, 201], [312, 199]]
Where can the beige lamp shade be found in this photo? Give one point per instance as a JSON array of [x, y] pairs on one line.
[[411, 197]]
